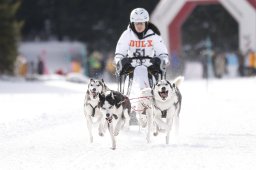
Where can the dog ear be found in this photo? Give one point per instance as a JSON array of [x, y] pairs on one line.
[[115, 116], [88, 92], [152, 92], [168, 82], [171, 85], [118, 98], [104, 85], [154, 85], [101, 82], [112, 95], [88, 86]]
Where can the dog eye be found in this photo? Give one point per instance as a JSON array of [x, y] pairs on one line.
[[98, 85], [110, 107], [158, 85]]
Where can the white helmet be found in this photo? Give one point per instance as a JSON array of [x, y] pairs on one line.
[[139, 15]]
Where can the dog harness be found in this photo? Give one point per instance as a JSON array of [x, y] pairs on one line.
[[93, 109], [164, 112]]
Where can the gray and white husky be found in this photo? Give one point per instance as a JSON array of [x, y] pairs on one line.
[[159, 106], [166, 105], [91, 106]]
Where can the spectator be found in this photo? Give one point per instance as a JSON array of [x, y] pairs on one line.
[[21, 65], [75, 66], [95, 62], [250, 62], [110, 67], [40, 66], [240, 57], [220, 64]]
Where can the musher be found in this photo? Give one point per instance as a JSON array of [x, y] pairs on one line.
[[141, 46]]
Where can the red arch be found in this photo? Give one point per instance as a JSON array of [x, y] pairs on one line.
[[253, 3], [174, 27]]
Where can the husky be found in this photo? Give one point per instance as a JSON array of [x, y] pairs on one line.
[[116, 109], [166, 105], [91, 106]]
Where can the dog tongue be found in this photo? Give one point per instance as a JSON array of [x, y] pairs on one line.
[[164, 94], [94, 94]]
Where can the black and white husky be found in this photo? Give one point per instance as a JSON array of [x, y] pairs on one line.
[[91, 106], [166, 105], [116, 109]]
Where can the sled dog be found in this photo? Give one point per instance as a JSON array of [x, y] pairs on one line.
[[91, 106], [166, 105], [116, 109]]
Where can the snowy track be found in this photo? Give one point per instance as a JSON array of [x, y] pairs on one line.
[[42, 126]]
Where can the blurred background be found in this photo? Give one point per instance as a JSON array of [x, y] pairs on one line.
[[205, 38]]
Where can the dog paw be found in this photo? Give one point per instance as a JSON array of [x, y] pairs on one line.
[[116, 133], [155, 133]]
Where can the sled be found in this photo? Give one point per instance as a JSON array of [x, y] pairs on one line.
[[139, 61]]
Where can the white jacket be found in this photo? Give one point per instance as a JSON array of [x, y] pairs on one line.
[[129, 44]]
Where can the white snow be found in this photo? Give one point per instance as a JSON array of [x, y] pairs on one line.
[[42, 126]]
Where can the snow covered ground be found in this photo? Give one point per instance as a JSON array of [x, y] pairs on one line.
[[42, 126]]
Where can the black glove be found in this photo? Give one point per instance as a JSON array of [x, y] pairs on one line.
[[159, 63], [155, 61], [155, 67], [124, 66]]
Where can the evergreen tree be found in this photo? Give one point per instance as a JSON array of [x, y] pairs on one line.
[[9, 34]]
